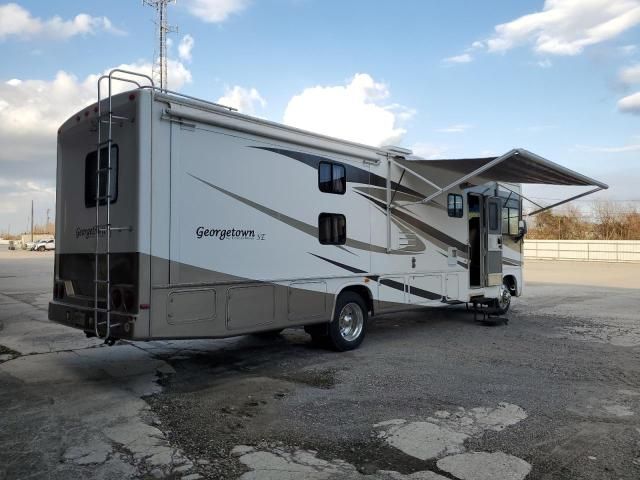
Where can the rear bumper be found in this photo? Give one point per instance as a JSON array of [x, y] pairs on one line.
[[75, 316]]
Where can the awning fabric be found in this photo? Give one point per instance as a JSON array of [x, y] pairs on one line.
[[517, 166]]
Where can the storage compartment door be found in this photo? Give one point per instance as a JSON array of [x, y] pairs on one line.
[[425, 288]]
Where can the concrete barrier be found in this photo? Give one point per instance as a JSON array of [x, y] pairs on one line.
[[624, 251]]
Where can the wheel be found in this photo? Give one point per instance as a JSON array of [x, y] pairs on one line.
[[503, 302], [41, 249], [349, 325]]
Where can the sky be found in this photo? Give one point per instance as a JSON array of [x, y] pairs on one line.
[[446, 79]]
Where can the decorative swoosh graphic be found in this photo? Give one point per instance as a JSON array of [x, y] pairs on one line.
[[311, 230], [359, 175], [435, 235], [418, 292], [354, 174]]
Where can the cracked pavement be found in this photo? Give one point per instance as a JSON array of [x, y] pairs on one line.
[[430, 395]]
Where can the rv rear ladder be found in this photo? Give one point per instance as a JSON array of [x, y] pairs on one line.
[[102, 315]]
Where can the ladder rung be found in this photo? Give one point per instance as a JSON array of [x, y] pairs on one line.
[[100, 280], [115, 117], [110, 326], [103, 197], [100, 170], [101, 310], [121, 229], [105, 143]]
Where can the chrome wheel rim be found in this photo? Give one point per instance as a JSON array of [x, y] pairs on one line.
[[351, 321], [504, 298]]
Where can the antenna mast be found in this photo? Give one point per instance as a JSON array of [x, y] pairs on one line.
[[162, 29]]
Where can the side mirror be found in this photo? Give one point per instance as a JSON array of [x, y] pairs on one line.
[[522, 229]]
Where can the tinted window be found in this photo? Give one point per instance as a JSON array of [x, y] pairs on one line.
[[510, 218], [454, 205], [494, 223], [332, 178], [90, 169], [332, 229]]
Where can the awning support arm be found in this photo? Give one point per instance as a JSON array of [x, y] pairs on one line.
[[395, 190], [562, 202], [414, 173], [477, 171], [520, 195]]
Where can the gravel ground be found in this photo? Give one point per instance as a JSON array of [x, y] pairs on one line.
[[554, 394]]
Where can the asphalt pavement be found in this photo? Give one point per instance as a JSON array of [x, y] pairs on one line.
[[554, 394]]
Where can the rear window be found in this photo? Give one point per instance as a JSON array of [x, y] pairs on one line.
[[91, 176]]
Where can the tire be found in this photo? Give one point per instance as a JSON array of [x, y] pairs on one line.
[[349, 325], [502, 304], [41, 249]]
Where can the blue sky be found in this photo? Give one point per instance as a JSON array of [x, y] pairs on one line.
[[448, 79]]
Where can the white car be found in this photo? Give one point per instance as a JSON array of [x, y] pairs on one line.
[[43, 245]]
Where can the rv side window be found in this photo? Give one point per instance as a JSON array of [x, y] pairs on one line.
[[332, 229], [494, 223], [90, 169], [510, 217], [332, 178], [454, 205]]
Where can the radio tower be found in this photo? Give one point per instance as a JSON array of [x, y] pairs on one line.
[[162, 30]]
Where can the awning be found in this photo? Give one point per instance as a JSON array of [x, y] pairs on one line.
[[516, 166]]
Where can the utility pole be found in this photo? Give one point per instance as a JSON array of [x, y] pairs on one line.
[[47, 225], [32, 220], [162, 29]]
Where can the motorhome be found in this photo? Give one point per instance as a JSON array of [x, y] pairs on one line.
[[178, 218]]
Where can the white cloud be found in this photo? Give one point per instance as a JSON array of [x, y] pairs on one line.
[[31, 110], [30, 106], [429, 150], [622, 149], [458, 128], [630, 75], [566, 27], [464, 58], [355, 111], [628, 49], [185, 47], [16, 21], [242, 99], [546, 63], [215, 11], [630, 104]]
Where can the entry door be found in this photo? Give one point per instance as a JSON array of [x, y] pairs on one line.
[[493, 257]]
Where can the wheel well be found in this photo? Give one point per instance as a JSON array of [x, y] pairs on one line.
[[364, 292], [511, 283]]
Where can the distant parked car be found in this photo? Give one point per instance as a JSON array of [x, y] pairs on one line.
[[43, 245], [28, 245]]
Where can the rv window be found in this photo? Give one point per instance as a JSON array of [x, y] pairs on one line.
[[90, 174], [454, 205], [494, 223], [510, 218], [332, 178], [332, 229]]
